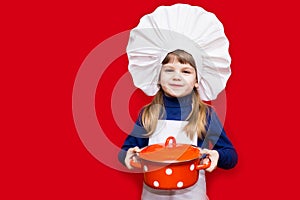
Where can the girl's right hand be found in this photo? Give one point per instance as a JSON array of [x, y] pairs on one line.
[[130, 156]]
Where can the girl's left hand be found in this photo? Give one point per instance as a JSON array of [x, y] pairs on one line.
[[214, 157]]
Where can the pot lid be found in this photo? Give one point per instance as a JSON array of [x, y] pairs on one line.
[[170, 152]]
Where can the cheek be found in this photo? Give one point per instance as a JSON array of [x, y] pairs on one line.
[[191, 81], [163, 79]]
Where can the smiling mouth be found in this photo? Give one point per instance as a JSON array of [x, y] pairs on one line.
[[175, 85]]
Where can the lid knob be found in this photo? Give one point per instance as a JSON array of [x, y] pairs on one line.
[[173, 143]]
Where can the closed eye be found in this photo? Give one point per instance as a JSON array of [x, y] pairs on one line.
[[186, 71], [168, 70]]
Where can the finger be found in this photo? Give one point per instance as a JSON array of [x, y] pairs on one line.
[[211, 168], [136, 149], [204, 151], [206, 160], [131, 151], [127, 163]]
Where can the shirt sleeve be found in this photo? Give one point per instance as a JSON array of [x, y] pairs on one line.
[[217, 138], [136, 138]]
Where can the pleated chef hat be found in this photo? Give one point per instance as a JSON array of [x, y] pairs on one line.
[[185, 27]]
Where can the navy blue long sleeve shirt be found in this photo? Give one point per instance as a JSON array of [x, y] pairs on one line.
[[179, 109]]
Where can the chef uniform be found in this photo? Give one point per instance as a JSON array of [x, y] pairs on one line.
[[201, 34]]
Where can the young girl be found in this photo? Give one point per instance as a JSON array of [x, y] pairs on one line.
[[178, 100], [180, 55]]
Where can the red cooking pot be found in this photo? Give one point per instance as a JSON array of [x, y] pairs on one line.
[[170, 165]]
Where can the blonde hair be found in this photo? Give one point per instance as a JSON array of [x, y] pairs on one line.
[[155, 111]]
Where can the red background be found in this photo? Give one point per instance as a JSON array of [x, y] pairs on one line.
[[42, 48]]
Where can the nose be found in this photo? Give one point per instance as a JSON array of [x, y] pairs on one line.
[[176, 76]]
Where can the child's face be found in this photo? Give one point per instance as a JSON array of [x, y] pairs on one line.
[[176, 79]]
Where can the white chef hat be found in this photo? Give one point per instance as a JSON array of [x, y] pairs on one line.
[[185, 27]]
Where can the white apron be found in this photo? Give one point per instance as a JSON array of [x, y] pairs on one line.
[[166, 128]]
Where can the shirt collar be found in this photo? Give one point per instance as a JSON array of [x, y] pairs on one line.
[[177, 102]]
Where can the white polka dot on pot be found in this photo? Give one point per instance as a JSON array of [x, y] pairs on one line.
[[156, 183], [179, 184], [192, 167], [169, 171]]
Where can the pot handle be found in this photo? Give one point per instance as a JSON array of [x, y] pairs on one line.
[[205, 165], [168, 141], [135, 164]]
